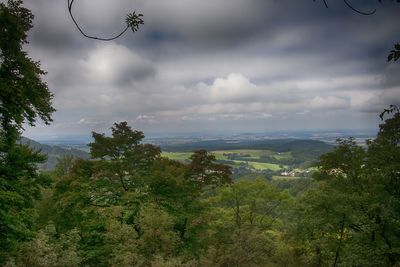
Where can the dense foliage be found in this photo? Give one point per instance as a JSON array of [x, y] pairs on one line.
[[23, 94], [128, 206], [24, 97]]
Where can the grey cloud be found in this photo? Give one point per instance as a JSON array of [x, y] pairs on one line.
[[218, 21], [392, 76], [53, 30], [216, 64]]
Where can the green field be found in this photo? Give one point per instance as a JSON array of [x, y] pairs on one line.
[[254, 153], [249, 158], [278, 177], [264, 166], [180, 156]]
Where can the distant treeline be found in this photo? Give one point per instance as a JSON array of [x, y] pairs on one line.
[[278, 145], [302, 150]]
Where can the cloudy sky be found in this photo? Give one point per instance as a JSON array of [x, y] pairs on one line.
[[216, 66]]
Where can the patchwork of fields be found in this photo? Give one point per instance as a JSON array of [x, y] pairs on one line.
[[250, 158]]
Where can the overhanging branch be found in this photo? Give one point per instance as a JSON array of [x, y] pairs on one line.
[[366, 13], [133, 21]]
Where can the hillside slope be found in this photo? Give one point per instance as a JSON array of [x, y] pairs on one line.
[[53, 152]]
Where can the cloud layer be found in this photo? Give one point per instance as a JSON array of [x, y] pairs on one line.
[[223, 65]]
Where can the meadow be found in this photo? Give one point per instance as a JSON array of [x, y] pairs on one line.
[[251, 158]]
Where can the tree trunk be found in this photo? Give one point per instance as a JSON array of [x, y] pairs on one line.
[[340, 242]]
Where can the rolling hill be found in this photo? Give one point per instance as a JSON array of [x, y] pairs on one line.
[[53, 152]]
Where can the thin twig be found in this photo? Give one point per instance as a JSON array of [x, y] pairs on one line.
[[325, 3], [358, 11], [353, 8]]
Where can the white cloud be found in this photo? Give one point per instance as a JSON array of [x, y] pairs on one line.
[[235, 87], [110, 63]]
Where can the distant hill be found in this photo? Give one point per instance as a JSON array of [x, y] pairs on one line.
[[278, 145], [53, 152], [302, 150]]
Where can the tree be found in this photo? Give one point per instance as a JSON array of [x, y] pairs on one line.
[[49, 250], [123, 156], [204, 170], [126, 201], [24, 97], [352, 216], [20, 185], [243, 225]]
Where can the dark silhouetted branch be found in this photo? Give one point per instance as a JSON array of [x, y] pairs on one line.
[[391, 109], [355, 9], [133, 21], [358, 11]]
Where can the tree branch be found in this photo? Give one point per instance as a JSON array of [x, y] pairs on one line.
[[340, 242], [133, 21], [353, 8], [358, 11]]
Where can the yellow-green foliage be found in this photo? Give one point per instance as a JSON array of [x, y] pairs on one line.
[[48, 250], [158, 235]]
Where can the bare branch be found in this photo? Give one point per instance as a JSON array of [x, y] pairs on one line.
[[353, 8], [358, 11], [133, 21], [325, 3]]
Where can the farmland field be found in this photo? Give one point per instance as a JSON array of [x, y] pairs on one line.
[[285, 157], [254, 153], [179, 156], [279, 177], [265, 166], [236, 158]]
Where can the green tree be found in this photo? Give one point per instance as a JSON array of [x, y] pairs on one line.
[[48, 250], [123, 156], [20, 185], [128, 189], [244, 224], [352, 217], [205, 171], [24, 97]]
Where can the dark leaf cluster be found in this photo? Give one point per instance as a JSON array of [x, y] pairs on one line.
[[394, 54]]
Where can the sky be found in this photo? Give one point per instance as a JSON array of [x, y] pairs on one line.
[[216, 66]]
